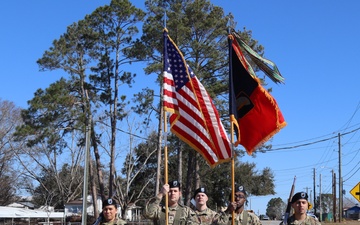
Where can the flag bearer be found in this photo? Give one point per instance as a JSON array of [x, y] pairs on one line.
[[242, 217], [178, 213]]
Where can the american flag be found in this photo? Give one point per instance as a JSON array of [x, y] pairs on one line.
[[194, 118]]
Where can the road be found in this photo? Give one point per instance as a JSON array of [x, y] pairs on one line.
[[270, 222]]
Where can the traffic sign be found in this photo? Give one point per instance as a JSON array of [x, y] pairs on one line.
[[356, 192]]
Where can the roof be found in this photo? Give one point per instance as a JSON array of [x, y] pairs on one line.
[[22, 205], [11, 212], [356, 208], [75, 202]]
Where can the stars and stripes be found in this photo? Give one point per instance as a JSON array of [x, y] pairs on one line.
[[194, 118]]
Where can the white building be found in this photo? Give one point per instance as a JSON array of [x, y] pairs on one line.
[[12, 215], [74, 208]]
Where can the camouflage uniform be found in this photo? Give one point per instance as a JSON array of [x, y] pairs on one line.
[[178, 215], [252, 219], [117, 221], [209, 216], [308, 221]]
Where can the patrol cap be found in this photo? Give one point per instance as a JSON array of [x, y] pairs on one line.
[[174, 184], [109, 201], [299, 195], [200, 190], [240, 188]]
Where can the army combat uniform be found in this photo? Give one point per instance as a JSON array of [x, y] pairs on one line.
[[245, 218], [115, 222], [308, 221], [178, 215], [209, 217]]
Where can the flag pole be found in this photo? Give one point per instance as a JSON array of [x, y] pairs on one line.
[[230, 38], [166, 168], [166, 179], [232, 182]]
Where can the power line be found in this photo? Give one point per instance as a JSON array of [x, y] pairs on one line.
[[352, 116], [353, 173], [311, 143]]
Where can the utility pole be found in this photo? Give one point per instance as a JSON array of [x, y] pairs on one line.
[[334, 195], [86, 171], [307, 192], [87, 157], [314, 192], [340, 184], [320, 206]]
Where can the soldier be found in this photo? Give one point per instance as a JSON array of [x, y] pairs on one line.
[[109, 213], [300, 204], [178, 214], [203, 213], [242, 217]]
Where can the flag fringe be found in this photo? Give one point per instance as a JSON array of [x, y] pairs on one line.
[[279, 125], [187, 141], [235, 123]]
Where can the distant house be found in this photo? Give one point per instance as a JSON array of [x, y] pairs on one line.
[[353, 212], [133, 212], [74, 208]]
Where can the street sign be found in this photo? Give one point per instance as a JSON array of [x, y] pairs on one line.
[[356, 192]]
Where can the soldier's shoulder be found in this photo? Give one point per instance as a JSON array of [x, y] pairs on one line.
[[252, 214], [313, 221], [182, 206], [120, 222]]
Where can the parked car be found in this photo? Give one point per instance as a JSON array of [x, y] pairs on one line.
[[265, 217]]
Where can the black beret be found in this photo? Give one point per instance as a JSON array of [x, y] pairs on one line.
[[109, 201], [299, 195], [240, 188], [200, 190], [174, 184]]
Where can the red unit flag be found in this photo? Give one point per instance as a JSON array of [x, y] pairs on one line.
[[254, 111]]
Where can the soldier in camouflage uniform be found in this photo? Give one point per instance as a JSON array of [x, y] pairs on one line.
[[203, 213], [110, 213], [242, 217], [300, 204], [178, 214]]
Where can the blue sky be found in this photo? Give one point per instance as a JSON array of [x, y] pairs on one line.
[[315, 45]]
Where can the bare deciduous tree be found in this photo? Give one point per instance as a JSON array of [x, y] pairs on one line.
[[9, 119]]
